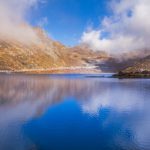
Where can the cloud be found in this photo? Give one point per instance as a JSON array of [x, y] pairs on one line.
[[14, 24], [127, 29]]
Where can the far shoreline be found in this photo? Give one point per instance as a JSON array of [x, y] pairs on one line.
[[131, 75], [92, 71], [59, 70]]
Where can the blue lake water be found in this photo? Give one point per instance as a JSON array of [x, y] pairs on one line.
[[74, 112]]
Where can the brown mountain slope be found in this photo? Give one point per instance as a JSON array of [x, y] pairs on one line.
[[139, 69], [46, 55], [15, 55], [49, 56]]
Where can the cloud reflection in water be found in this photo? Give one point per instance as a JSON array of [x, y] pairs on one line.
[[113, 102]]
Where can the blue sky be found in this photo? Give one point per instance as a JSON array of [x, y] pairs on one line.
[[66, 20]]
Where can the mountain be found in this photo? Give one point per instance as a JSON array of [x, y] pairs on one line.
[[49, 56], [46, 56], [116, 63], [139, 69]]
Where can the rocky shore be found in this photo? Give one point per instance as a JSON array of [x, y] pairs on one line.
[[144, 74]]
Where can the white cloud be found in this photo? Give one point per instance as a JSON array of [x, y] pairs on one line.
[[127, 29], [13, 20]]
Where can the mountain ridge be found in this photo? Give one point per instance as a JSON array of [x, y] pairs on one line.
[[49, 56], [140, 69]]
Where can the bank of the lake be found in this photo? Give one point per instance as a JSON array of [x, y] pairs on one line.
[[132, 75]]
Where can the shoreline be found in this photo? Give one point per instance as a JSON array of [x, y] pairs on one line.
[[77, 70], [59, 70], [123, 75]]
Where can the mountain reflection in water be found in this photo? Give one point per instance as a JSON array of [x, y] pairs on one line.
[[50, 113]]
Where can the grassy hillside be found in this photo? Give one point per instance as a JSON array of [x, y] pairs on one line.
[[47, 54], [139, 69]]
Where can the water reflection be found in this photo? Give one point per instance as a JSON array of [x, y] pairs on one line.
[[43, 112]]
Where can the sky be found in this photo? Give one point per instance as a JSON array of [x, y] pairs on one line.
[[114, 26], [65, 20]]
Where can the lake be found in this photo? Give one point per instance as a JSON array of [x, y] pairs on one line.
[[74, 112]]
